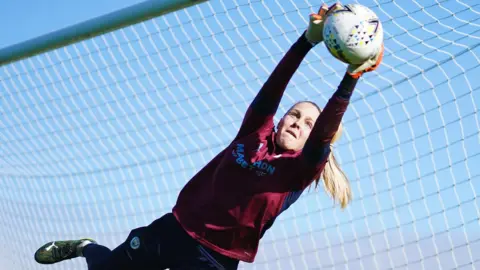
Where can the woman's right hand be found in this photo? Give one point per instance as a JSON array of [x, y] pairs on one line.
[[314, 32]]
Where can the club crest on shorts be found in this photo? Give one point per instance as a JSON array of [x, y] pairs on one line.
[[135, 242]]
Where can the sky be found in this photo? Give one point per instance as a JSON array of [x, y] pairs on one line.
[[99, 137], [28, 19]]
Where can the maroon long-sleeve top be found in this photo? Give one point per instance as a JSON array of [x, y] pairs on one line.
[[230, 203]]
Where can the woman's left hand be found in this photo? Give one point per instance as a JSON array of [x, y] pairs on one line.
[[356, 71]]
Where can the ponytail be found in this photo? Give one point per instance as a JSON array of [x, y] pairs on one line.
[[335, 181]]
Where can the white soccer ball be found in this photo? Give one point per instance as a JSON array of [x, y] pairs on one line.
[[353, 33]]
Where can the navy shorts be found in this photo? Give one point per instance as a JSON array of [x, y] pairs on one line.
[[165, 244]]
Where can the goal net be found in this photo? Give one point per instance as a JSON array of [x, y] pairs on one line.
[[99, 136]]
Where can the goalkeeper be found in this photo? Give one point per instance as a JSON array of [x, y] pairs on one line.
[[224, 210]]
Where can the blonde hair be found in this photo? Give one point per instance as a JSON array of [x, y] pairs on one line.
[[335, 181]]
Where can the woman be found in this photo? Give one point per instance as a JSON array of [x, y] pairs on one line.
[[224, 210]]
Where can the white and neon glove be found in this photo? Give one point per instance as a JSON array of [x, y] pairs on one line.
[[314, 32], [356, 71]]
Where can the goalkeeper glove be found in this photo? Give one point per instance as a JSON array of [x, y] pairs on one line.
[[356, 71], [314, 32]]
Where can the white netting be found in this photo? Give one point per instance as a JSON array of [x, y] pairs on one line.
[[97, 138]]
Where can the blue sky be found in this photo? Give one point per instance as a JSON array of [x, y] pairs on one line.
[[28, 19], [98, 138]]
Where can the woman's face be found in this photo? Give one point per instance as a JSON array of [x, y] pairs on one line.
[[295, 127]]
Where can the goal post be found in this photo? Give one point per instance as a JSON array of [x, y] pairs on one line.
[[94, 27]]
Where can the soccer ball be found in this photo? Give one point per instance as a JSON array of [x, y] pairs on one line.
[[353, 33]]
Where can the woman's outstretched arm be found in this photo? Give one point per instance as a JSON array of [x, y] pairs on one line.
[[261, 111], [317, 146]]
